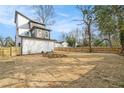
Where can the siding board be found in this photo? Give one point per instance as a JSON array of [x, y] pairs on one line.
[[32, 46]]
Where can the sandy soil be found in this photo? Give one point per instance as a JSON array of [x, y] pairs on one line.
[[78, 70]]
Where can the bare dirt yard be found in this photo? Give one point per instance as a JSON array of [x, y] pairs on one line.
[[77, 70]]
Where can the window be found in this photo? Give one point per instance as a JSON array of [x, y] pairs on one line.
[[19, 44], [33, 33], [46, 34], [27, 33]]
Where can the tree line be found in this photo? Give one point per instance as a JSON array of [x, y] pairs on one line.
[[109, 20], [6, 42]]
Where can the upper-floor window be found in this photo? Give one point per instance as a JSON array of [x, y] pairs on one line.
[[19, 44], [46, 34], [27, 33], [33, 33]]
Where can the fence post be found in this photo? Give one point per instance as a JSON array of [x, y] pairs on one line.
[[10, 51], [2, 54]]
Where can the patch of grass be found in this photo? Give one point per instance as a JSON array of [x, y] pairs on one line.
[[121, 84]]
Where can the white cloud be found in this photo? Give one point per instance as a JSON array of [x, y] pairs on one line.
[[65, 26], [5, 17], [7, 13], [63, 14], [7, 22]]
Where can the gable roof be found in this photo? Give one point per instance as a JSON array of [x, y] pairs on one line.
[[16, 12]]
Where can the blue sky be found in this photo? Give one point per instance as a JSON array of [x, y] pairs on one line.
[[64, 16]]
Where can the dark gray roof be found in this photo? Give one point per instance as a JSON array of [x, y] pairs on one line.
[[34, 27], [37, 38]]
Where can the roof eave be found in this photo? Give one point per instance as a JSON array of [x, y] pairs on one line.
[[16, 12]]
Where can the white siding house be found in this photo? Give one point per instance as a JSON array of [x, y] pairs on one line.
[[57, 44], [64, 44], [36, 45], [31, 36], [60, 44]]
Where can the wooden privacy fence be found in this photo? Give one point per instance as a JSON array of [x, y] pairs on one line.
[[10, 51], [94, 50]]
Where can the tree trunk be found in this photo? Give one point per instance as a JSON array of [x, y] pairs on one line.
[[120, 26], [122, 41], [110, 43], [89, 33]]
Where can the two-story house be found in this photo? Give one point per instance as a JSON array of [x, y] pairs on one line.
[[32, 36]]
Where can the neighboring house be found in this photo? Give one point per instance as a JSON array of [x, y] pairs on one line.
[[64, 44], [32, 36], [57, 44], [60, 44]]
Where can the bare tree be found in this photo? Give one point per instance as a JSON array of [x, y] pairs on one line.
[[6, 42], [63, 36], [45, 14], [9, 42], [76, 33], [87, 20], [1, 41]]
